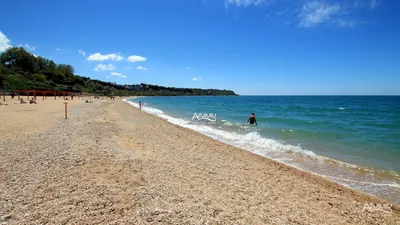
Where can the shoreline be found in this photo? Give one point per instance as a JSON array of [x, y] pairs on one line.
[[294, 169], [328, 162], [112, 163]]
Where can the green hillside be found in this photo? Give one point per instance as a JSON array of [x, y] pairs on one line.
[[21, 70]]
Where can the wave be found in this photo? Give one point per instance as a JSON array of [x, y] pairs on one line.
[[365, 183], [150, 110], [252, 141], [285, 153]]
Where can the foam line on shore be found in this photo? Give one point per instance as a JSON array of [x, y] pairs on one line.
[[272, 149], [252, 141], [259, 144]]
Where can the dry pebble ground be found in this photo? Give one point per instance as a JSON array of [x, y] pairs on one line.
[[112, 164]]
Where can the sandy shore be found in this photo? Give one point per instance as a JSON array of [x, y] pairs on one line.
[[110, 163]]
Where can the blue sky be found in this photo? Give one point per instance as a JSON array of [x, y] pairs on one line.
[[249, 46]]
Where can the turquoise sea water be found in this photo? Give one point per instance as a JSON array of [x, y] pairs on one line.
[[353, 140]]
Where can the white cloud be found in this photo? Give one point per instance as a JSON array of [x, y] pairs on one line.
[[366, 4], [100, 57], [136, 58], [314, 12], [108, 77], [344, 23], [141, 68], [30, 48], [188, 67], [27, 47], [197, 78], [83, 53], [244, 3], [127, 67], [372, 4], [104, 67], [4, 42], [57, 49], [118, 74]]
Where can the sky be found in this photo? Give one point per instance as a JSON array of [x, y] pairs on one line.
[[254, 47]]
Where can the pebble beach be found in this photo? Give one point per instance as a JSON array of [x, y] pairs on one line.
[[110, 163]]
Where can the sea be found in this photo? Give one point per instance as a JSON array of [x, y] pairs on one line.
[[352, 140]]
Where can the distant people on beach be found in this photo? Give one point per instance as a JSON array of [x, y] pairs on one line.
[[22, 101], [12, 95], [32, 101], [140, 104], [252, 119]]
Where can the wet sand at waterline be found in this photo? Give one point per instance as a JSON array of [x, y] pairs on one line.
[[112, 163]]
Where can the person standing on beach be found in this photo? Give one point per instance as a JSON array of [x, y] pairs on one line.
[[140, 104], [252, 119]]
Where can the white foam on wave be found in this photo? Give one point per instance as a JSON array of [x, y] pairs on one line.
[[365, 183], [147, 109], [130, 103], [252, 141], [270, 148], [227, 123]]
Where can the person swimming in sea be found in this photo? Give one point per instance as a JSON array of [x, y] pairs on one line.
[[252, 119]]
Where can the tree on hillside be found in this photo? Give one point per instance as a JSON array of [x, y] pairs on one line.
[[20, 69], [19, 58]]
